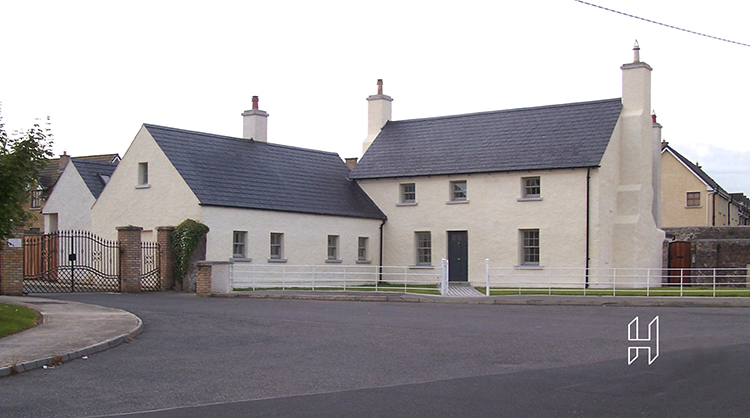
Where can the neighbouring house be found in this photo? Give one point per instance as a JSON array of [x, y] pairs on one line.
[[743, 203], [690, 197], [263, 202], [80, 184], [47, 181], [571, 186]]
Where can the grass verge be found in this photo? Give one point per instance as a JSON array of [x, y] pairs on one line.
[[427, 289], [704, 291], [14, 318]]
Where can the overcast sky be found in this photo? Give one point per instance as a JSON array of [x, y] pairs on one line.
[[101, 69]]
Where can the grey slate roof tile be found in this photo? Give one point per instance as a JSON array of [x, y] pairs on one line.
[[90, 171], [548, 137], [241, 173]]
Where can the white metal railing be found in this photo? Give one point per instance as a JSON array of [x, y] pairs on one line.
[[497, 281], [337, 277], [624, 282]]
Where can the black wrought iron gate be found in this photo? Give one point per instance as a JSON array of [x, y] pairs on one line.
[[70, 261]]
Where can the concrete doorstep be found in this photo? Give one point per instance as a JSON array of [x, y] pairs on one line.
[[69, 330]]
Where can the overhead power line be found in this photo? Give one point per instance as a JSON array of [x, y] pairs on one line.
[[662, 24]]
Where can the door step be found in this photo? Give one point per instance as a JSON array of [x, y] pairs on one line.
[[463, 290]]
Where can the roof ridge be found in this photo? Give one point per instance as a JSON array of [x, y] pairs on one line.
[[696, 169], [79, 160], [235, 138], [490, 112]]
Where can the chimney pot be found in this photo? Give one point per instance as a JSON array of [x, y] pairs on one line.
[[255, 102], [653, 117], [380, 86]]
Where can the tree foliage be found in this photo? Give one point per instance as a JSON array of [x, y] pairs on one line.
[[22, 158], [185, 239]]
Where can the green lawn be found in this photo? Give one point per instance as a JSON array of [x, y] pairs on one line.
[[654, 291], [14, 318], [427, 289]]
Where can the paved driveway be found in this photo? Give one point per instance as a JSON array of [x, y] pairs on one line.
[[285, 358]]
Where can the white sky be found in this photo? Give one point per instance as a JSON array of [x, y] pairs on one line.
[[100, 69]]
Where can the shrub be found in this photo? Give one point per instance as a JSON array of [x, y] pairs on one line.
[[185, 239]]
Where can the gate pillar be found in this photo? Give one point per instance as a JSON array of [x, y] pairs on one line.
[[166, 262], [130, 258], [11, 267]]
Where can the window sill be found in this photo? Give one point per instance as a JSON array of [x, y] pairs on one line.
[[364, 261], [456, 202], [423, 267], [693, 207], [334, 261], [143, 186], [407, 204], [529, 199], [240, 260], [529, 267], [277, 260]]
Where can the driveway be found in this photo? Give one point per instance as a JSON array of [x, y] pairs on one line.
[[286, 358]]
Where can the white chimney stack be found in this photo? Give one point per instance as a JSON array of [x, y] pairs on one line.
[[255, 123], [378, 113]]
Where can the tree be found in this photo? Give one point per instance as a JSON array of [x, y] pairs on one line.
[[22, 158]]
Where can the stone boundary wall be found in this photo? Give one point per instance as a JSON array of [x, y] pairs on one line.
[[713, 247]]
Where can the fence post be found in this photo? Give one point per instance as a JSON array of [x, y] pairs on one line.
[[682, 279], [614, 281], [231, 277], [444, 277], [11, 267], [313, 277], [487, 289], [344, 277], [714, 282], [648, 283]]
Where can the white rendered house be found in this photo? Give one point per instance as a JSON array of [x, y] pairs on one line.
[[75, 191], [263, 202], [572, 186]]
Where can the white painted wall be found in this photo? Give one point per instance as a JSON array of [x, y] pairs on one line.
[[166, 201], [71, 200], [637, 239], [305, 236], [493, 218]]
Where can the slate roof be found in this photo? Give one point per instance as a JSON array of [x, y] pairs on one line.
[[49, 175], [242, 173], [696, 170], [91, 172], [548, 137]]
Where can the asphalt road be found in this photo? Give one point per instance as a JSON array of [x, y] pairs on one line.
[[202, 357]]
